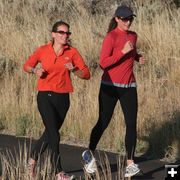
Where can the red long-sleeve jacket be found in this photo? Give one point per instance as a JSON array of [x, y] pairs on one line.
[[57, 76], [118, 67]]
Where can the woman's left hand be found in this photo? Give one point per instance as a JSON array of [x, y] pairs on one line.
[[69, 66], [141, 60]]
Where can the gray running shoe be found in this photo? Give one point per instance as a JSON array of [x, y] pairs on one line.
[[131, 170]]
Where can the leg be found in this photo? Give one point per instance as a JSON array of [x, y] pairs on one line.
[[43, 141], [61, 103], [38, 149], [107, 102], [40, 146], [52, 121], [129, 105]]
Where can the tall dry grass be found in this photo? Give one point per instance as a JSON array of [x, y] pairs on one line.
[[14, 166], [26, 25]]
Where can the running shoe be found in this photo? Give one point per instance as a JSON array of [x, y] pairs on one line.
[[31, 167], [64, 176], [131, 170], [90, 162]]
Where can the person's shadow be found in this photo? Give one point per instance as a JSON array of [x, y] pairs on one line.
[[164, 142], [161, 142]]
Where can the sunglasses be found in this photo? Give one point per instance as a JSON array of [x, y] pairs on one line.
[[63, 32], [126, 19]]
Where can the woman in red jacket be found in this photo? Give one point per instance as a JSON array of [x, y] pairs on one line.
[[57, 60], [118, 83]]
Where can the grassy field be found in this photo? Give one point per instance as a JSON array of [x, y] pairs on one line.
[[25, 25], [14, 166]]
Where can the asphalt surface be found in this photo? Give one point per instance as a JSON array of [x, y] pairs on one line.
[[72, 162]]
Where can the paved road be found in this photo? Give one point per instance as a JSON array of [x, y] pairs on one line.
[[72, 161]]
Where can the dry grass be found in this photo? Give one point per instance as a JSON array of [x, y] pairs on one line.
[[14, 166], [27, 24]]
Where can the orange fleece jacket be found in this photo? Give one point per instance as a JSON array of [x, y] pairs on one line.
[[57, 76]]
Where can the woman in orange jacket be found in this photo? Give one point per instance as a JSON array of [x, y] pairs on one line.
[[58, 60]]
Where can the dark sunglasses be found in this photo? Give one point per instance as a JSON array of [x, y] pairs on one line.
[[127, 19], [63, 32]]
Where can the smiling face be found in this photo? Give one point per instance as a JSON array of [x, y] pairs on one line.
[[61, 35], [124, 23]]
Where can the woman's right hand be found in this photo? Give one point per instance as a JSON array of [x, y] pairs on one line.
[[127, 47], [39, 71]]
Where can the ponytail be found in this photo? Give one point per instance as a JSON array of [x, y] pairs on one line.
[[112, 24]]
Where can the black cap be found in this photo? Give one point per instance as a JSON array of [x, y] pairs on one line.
[[124, 12]]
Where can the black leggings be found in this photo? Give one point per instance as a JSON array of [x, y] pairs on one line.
[[53, 108], [108, 97]]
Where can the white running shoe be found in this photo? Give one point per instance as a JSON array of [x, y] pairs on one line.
[[131, 170], [90, 162]]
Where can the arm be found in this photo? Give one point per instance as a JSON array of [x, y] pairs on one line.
[[80, 69], [31, 63], [108, 57], [139, 58]]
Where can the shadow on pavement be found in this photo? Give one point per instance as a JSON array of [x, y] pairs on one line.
[[160, 140], [72, 161]]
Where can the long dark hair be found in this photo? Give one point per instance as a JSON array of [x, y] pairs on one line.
[[112, 24]]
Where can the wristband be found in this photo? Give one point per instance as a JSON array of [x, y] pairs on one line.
[[33, 70], [74, 70]]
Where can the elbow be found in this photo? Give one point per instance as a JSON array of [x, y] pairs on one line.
[[25, 68], [86, 74], [88, 77], [102, 63], [102, 66]]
